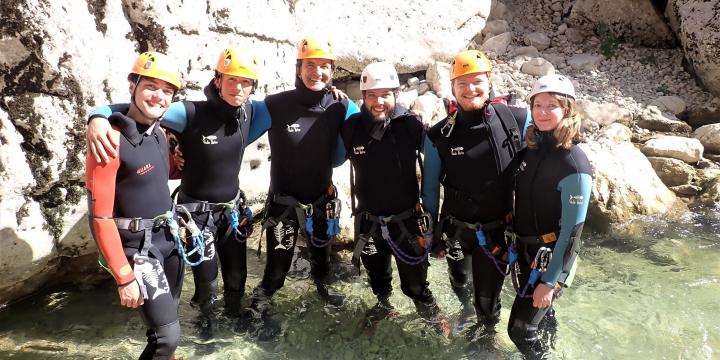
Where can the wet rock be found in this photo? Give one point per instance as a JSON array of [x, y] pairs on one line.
[[538, 67], [625, 184], [672, 172], [584, 62], [709, 136], [653, 119], [537, 39], [497, 44], [688, 150]]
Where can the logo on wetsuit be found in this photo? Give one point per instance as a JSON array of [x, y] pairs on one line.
[[291, 128], [576, 199], [456, 151], [360, 150], [145, 169], [209, 140]]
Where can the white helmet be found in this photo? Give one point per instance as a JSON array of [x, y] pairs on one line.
[[379, 75], [553, 84]]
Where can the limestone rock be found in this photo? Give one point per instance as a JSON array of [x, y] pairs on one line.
[[407, 98], [673, 104], [427, 107], [602, 113], [709, 136], [672, 172], [584, 62], [653, 119], [701, 116], [497, 44], [688, 150], [438, 75], [625, 184], [537, 39], [538, 67], [697, 27], [634, 21], [686, 189], [616, 132], [495, 27], [529, 51]]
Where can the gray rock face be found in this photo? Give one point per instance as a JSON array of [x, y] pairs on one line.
[[672, 172], [697, 26], [709, 136], [634, 21], [654, 119]]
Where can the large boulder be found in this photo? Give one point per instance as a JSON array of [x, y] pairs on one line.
[[625, 183], [634, 21], [688, 150], [696, 25], [672, 172], [652, 118], [709, 136]]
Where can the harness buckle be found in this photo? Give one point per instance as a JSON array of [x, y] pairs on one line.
[[135, 224], [203, 206], [332, 209], [308, 210], [424, 222]]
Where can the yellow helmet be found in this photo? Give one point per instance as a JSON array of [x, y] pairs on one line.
[[315, 48], [469, 62], [236, 62], [159, 66]]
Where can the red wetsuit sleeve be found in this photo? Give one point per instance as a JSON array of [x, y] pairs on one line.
[[101, 179]]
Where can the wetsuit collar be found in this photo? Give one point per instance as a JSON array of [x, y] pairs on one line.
[[545, 139], [473, 117], [376, 129], [224, 109], [310, 98], [132, 130]]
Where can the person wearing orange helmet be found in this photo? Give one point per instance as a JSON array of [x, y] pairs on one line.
[[302, 201], [473, 153], [213, 135], [130, 210]]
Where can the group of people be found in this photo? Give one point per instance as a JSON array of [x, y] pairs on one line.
[[516, 189]]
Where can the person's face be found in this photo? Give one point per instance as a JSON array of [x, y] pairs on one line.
[[234, 89], [547, 111], [316, 73], [152, 96], [471, 91], [380, 103]]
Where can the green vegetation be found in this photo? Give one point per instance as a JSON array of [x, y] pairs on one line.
[[609, 43]]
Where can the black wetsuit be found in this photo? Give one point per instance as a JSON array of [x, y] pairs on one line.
[[476, 191], [552, 195], [386, 184], [303, 140], [134, 185]]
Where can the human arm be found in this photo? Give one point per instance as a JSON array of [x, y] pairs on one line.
[[431, 178], [260, 122]]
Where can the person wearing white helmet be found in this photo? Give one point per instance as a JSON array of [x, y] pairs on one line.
[[473, 153], [382, 143], [552, 193]]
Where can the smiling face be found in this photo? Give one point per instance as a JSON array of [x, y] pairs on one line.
[[234, 89], [547, 111], [471, 91], [380, 103], [152, 97], [316, 73]]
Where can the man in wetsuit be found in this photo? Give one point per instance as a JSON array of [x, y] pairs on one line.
[[213, 135], [472, 154], [383, 142], [130, 209], [303, 147]]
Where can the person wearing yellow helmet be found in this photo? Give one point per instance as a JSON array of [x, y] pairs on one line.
[[130, 210], [552, 194], [302, 201], [473, 152], [213, 135]]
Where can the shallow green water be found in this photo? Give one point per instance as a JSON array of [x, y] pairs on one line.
[[652, 295]]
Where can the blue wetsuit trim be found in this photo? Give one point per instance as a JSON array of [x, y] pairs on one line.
[[431, 178], [575, 196], [340, 153], [260, 122]]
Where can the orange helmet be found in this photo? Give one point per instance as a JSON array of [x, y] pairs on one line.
[[236, 62], [315, 48], [159, 66], [469, 62]]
